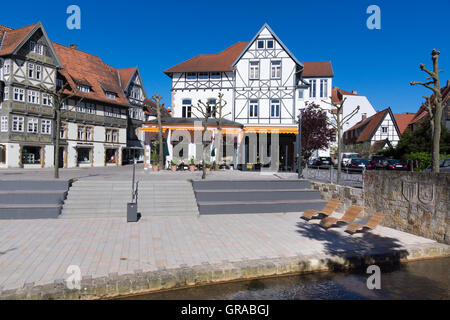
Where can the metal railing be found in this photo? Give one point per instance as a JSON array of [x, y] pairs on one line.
[[349, 177]]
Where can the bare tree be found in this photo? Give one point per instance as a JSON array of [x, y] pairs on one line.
[[219, 115], [435, 108], [58, 99], [157, 99], [338, 125], [206, 111]]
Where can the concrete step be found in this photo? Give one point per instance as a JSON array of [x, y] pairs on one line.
[[29, 211], [32, 197], [256, 196], [267, 207], [251, 184], [12, 185]]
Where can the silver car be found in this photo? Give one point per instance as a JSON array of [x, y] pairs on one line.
[[444, 165]]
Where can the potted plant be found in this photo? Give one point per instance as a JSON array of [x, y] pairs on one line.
[[155, 166], [192, 164], [207, 166], [173, 165]]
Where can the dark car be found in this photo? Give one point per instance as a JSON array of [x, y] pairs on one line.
[[378, 162], [325, 161], [444, 166], [321, 162], [360, 164], [393, 164]]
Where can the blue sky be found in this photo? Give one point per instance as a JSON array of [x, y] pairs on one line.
[[155, 35]]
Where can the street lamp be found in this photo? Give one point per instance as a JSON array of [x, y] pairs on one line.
[[299, 145]]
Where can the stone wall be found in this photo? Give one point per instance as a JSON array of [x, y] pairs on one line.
[[350, 196], [415, 202]]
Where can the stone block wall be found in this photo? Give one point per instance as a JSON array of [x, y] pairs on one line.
[[415, 202], [350, 196]]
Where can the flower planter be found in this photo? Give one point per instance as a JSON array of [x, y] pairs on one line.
[[155, 168], [208, 169], [173, 168], [191, 168]]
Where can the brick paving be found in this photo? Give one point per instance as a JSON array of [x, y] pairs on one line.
[[38, 252]]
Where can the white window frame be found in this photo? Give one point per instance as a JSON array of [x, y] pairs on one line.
[[18, 94], [81, 129], [312, 88], [253, 108], [38, 72], [192, 74], [111, 95], [30, 71], [275, 108], [186, 109], [384, 129], [273, 44], [33, 96], [83, 88], [47, 100], [33, 125], [18, 124], [4, 124], [46, 126], [6, 94], [7, 68], [263, 44], [89, 134], [36, 47], [275, 69], [204, 74], [324, 88], [253, 73]]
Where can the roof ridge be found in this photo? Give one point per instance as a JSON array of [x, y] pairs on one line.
[[68, 47]]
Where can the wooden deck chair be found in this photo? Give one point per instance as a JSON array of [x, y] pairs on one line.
[[373, 222], [349, 216], [329, 208]]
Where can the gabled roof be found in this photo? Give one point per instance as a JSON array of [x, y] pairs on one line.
[[369, 126], [150, 109], [83, 68], [403, 120], [125, 76], [337, 95], [221, 61], [317, 69], [266, 26]]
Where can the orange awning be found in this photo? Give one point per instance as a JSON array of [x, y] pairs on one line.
[[270, 129]]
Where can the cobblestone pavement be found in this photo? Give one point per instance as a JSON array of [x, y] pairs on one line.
[[37, 252]]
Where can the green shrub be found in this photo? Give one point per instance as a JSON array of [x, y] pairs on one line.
[[424, 159]]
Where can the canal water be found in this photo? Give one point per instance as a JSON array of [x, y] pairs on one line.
[[426, 279]]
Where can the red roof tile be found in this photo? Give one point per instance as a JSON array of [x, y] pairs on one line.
[[150, 109], [368, 126], [125, 76], [317, 69], [337, 95], [403, 120], [13, 37]]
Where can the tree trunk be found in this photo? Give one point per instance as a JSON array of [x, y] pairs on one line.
[[160, 137], [57, 129], [339, 149], [205, 128], [436, 131], [218, 147]]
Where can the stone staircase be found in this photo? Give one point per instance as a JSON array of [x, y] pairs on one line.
[[96, 199], [257, 196], [35, 199]]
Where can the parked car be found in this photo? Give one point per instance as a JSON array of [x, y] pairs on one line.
[[360, 164], [393, 164], [378, 162], [348, 156], [444, 165], [326, 161]]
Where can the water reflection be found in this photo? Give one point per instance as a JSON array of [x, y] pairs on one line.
[[428, 279]]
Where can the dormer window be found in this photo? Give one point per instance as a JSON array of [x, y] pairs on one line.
[[111, 95], [83, 88]]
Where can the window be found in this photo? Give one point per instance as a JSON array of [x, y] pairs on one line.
[[114, 136], [275, 69], [30, 70], [212, 104], [323, 88], [275, 108], [7, 68], [83, 88], [186, 108], [32, 125], [19, 94], [108, 135], [269, 44], [33, 97], [136, 92], [203, 76], [46, 127], [36, 47], [63, 131], [6, 94], [215, 76], [110, 95], [90, 108], [4, 124], [254, 70], [38, 72], [80, 133], [47, 100], [191, 76], [260, 44], [301, 94], [312, 88], [17, 124], [88, 133], [81, 107], [384, 129], [59, 83], [253, 109]]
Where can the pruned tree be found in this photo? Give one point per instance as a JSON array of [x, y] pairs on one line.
[[219, 115], [435, 107], [157, 99], [316, 133], [338, 124], [206, 111], [59, 96]]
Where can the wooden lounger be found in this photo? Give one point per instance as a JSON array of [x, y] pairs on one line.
[[349, 216], [373, 222], [330, 207]]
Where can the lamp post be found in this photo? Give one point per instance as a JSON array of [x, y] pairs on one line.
[[299, 145]]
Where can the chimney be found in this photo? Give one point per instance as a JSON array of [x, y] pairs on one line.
[[363, 116], [354, 92], [73, 46]]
